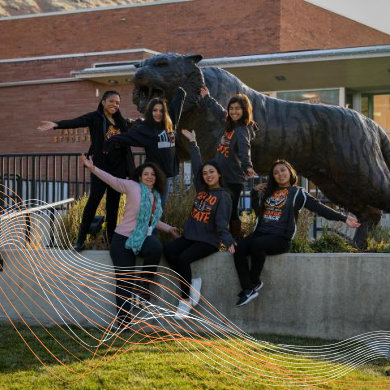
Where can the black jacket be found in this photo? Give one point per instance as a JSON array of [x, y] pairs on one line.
[[158, 144], [96, 122], [301, 199], [211, 209]]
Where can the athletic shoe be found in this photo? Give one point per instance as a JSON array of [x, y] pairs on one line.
[[79, 246], [247, 297], [195, 291], [258, 286], [255, 287], [183, 310]]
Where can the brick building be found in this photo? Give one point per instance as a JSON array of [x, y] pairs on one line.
[[288, 48]]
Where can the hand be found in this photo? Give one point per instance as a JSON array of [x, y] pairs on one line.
[[174, 231], [231, 249], [352, 222], [261, 187], [88, 162], [190, 135], [204, 91], [46, 125], [251, 173]]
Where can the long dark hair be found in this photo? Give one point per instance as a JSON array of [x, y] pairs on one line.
[[118, 118], [272, 185], [166, 122], [247, 115], [159, 185]]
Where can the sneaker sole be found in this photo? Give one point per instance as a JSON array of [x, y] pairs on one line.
[[260, 287], [248, 300]]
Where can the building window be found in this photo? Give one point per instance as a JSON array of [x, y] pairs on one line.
[[326, 96]]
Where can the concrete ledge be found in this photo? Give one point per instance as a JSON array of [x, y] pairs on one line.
[[333, 296]]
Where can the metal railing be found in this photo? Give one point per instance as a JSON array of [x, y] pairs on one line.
[[49, 177]]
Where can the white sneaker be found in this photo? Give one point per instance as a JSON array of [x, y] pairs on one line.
[[183, 310], [196, 284]]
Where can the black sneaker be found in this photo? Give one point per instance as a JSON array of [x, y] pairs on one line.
[[258, 286], [255, 287], [79, 246], [247, 297]]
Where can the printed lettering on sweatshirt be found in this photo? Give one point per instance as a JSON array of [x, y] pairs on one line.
[[224, 144], [166, 140], [202, 207], [273, 205]]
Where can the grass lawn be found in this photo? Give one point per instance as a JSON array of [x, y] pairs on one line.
[[68, 358]]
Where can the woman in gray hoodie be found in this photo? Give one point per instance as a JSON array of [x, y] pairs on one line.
[[204, 230], [234, 151]]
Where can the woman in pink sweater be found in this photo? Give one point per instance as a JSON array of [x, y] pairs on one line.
[[133, 236]]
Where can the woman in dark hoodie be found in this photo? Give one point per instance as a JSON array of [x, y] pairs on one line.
[[104, 123], [277, 210], [156, 134], [234, 150], [204, 230]]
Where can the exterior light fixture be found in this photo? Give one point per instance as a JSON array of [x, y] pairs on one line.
[[280, 78], [112, 82], [129, 80]]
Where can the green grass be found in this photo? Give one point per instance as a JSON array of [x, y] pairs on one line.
[[145, 362]]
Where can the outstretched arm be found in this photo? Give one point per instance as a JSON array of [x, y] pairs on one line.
[[217, 110], [120, 185], [316, 206], [196, 158], [222, 217], [47, 125], [81, 121], [244, 152]]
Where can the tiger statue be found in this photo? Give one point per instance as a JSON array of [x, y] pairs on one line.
[[344, 153]]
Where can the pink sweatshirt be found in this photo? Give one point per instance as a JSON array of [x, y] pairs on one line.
[[133, 192]]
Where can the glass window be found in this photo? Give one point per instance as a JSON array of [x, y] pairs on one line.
[[326, 96], [381, 111]]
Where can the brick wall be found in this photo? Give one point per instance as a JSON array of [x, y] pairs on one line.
[[23, 108], [213, 28], [305, 26], [216, 28]]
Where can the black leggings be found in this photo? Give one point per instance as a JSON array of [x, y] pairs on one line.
[[124, 261], [258, 246], [98, 188], [235, 191], [180, 253]]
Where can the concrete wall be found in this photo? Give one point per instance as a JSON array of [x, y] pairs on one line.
[[333, 296]]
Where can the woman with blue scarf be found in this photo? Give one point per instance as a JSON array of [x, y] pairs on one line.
[[133, 236]]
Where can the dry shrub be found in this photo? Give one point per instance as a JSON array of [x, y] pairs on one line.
[[68, 224], [178, 207]]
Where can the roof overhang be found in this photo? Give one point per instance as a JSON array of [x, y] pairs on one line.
[[358, 68]]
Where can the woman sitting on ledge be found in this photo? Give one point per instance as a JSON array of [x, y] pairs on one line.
[[133, 236], [278, 211], [204, 230]]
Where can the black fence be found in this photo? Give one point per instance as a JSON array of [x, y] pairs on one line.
[[49, 177], [52, 177]]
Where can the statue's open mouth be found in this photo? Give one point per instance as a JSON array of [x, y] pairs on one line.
[[150, 92]]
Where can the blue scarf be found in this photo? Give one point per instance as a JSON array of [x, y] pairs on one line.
[[137, 238]]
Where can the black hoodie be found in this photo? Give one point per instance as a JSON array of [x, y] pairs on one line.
[[211, 209], [158, 144], [279, 212], [99, 129]]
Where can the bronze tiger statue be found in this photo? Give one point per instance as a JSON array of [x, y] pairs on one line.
[[346, 154]]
